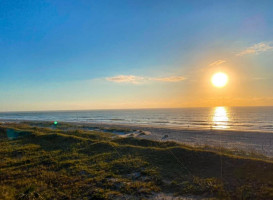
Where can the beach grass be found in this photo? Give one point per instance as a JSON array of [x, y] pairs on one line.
[[64, 163]]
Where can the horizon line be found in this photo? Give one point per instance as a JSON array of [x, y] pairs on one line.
[[109, 109]]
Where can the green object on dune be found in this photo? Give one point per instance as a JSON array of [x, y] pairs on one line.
[[55, 123]]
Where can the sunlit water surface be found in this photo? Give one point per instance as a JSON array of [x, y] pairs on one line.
[[238, 118]]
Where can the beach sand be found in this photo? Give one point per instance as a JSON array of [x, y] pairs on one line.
[[249, 141], [252, 142]]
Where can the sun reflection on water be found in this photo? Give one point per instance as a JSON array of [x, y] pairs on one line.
[[220, 118]]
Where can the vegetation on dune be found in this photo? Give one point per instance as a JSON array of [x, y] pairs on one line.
[[77, 164]]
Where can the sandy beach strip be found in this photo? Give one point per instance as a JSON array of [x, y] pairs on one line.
[[249, 141]]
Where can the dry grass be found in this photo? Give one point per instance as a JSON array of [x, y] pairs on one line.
[[78, 164]]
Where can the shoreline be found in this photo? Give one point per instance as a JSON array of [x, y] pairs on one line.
[[138, 126], [257, 142]]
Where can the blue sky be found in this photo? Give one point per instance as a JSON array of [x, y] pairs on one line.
[[132, 54]]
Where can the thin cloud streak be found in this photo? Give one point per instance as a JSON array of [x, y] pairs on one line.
[[139, 79], [125, 79], [256, 49], [170, 79], [217, 62]]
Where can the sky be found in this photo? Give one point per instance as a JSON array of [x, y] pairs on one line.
[[84, 54]]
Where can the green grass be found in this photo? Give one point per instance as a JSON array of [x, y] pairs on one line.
[[78, 164]]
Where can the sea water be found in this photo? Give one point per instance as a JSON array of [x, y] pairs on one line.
[[235, 118]]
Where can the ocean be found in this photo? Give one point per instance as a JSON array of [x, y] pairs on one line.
[[235, 118]]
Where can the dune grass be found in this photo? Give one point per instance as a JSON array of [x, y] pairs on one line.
[[78, 164]]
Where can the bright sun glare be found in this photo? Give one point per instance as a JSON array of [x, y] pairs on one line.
[[219, 79]]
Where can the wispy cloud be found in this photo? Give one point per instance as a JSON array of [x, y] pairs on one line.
[[259, 78], [125, 79], [256, 49], [139, 79], [169, 79], [217, 62]]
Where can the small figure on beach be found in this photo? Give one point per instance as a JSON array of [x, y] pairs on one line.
[[164, 137]]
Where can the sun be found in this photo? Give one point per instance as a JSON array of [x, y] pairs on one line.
[[219, 79]]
